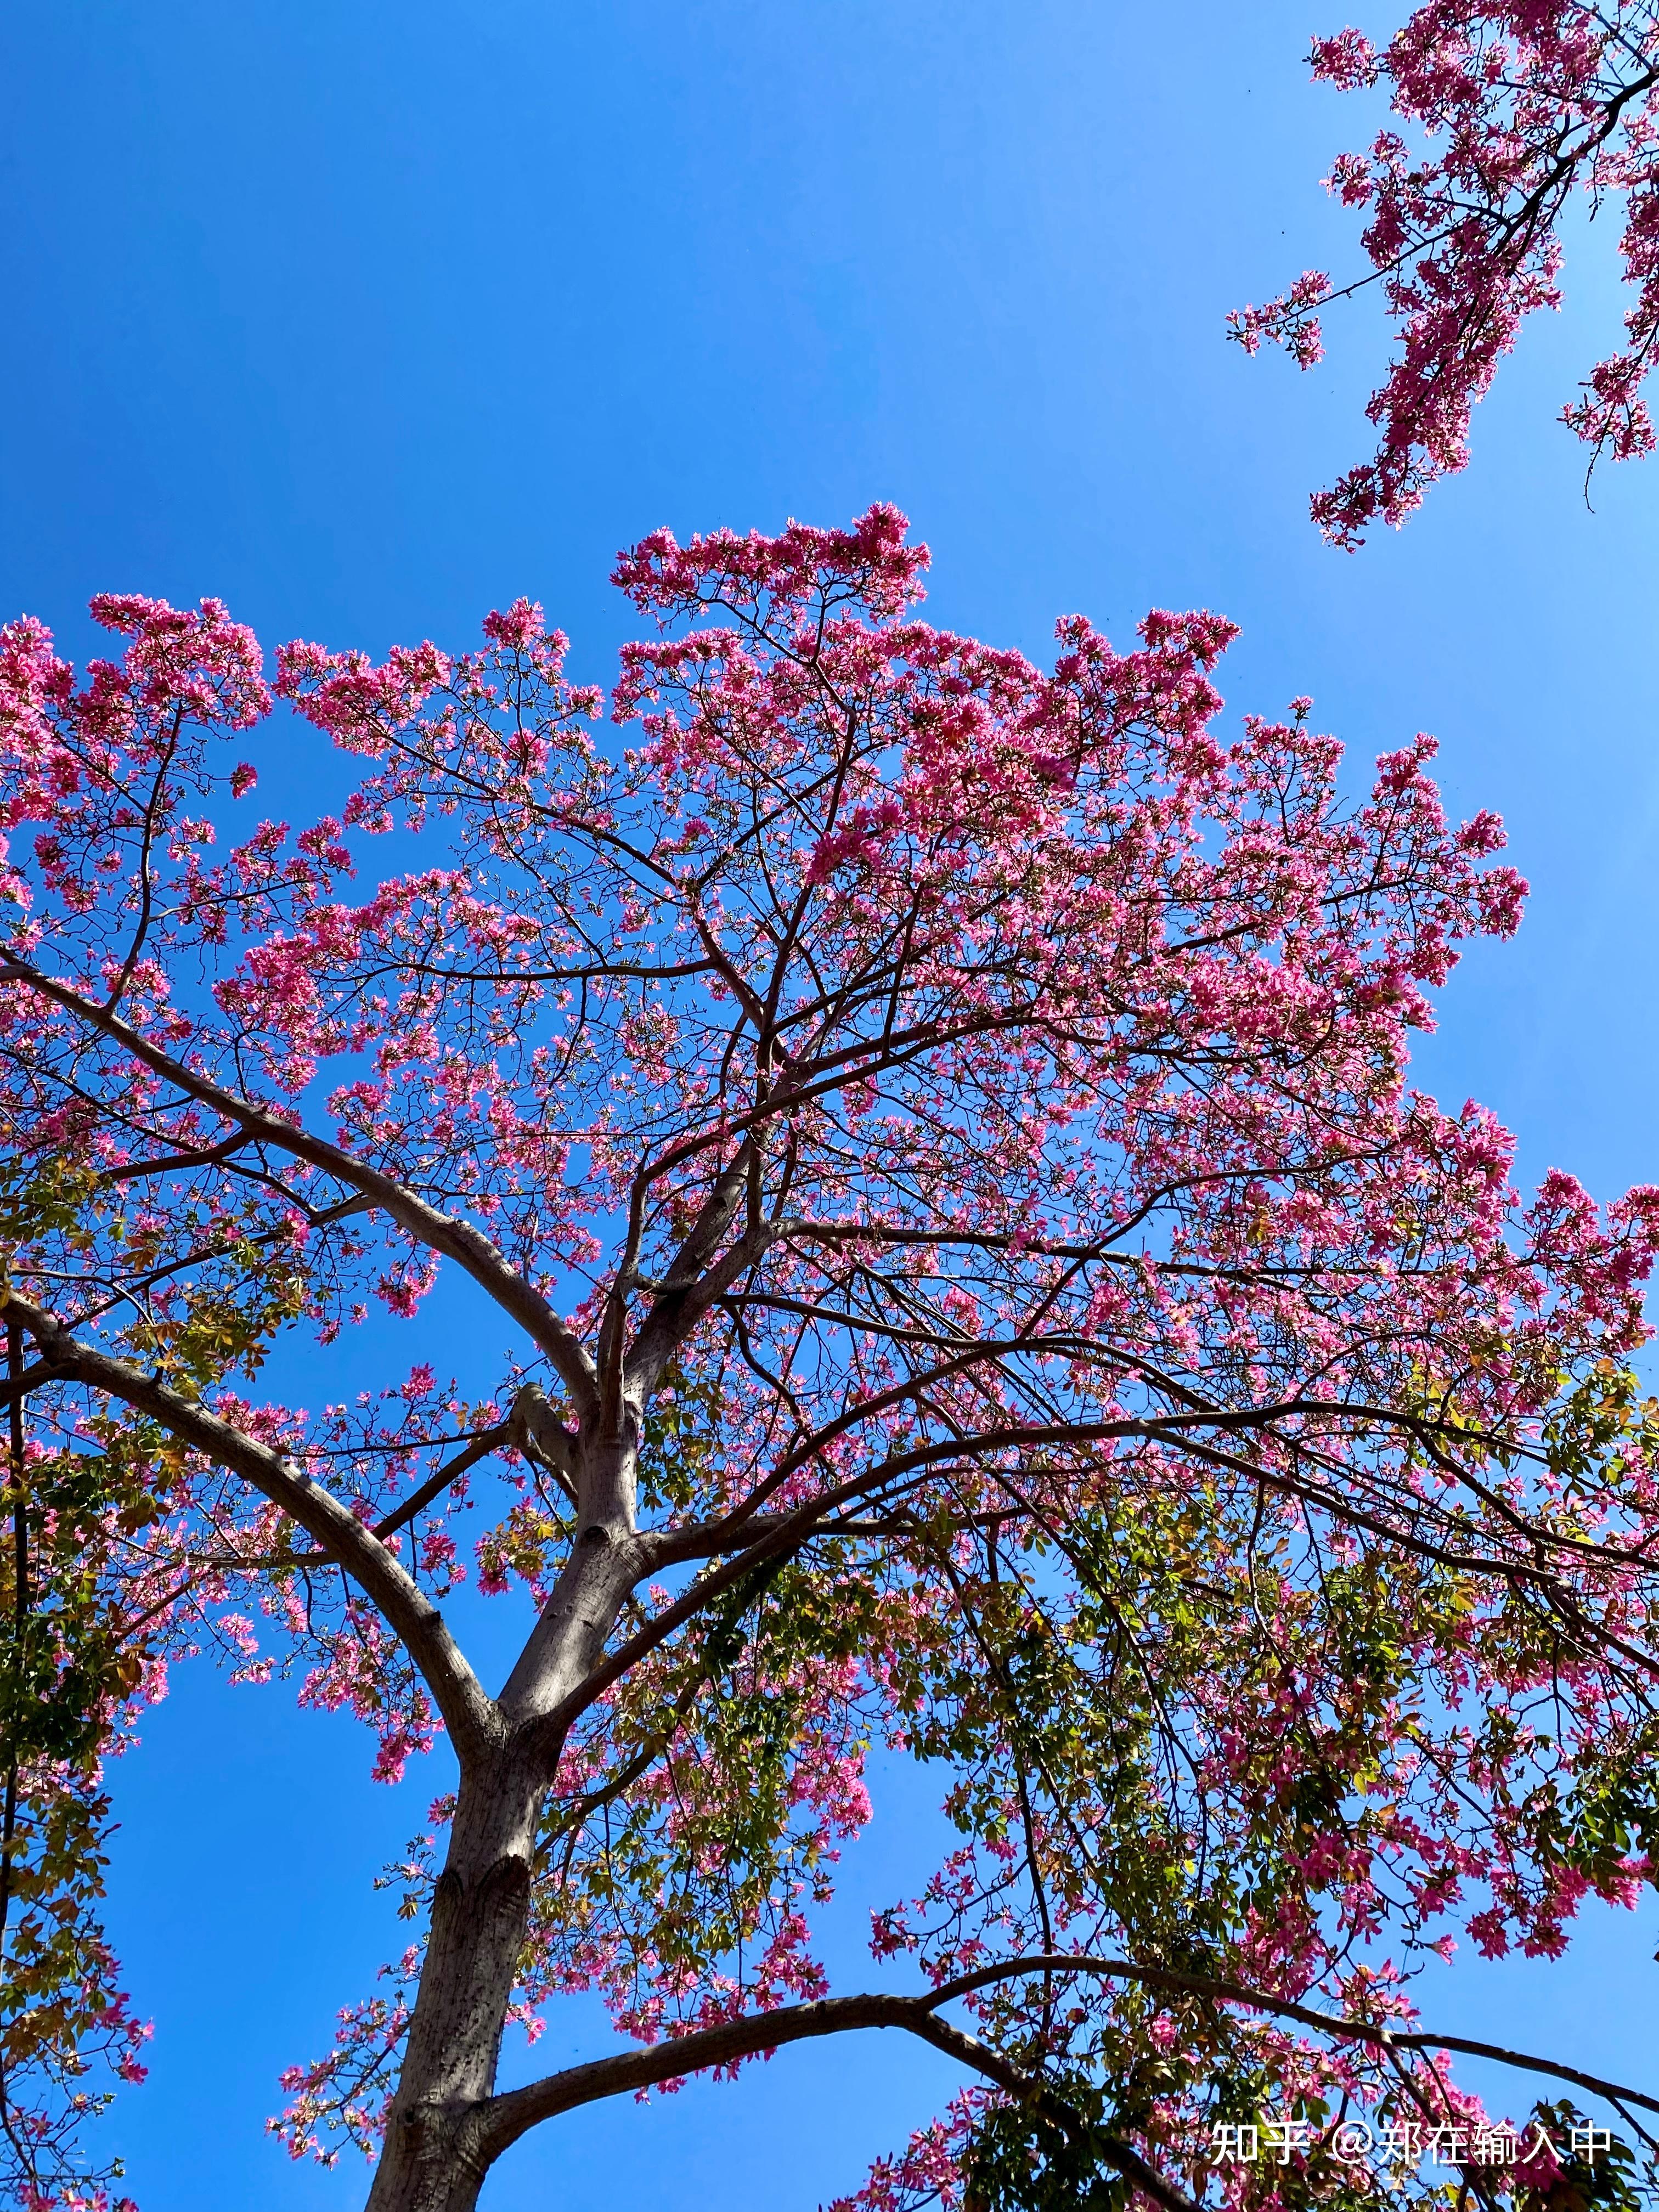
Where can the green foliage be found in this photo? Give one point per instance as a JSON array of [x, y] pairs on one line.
[[66, 1664], [1046, 2153], [86, 1593], [1610, 2180]]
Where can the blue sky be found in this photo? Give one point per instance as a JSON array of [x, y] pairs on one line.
[[368, 317]]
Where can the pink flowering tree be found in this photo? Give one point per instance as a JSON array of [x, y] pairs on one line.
[[931, 1138], [1505, 108]]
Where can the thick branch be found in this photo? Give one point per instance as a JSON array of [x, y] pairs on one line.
[[501, 2120], [685, 1294], [469, 1714], [497, 2125]]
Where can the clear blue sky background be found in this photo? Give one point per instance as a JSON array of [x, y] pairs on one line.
[[369, 317]]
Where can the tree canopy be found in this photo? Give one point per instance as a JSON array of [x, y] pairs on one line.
[[933, 1140]]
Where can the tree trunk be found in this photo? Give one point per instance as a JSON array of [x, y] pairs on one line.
[[480, 1912], [481, 1905]]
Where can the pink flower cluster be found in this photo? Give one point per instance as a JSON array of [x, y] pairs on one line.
[[1508, 105]]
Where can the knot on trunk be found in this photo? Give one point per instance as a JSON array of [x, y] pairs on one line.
[[437, 2162]]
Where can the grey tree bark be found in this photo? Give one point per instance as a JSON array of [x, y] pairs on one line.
[[435, 2158]]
